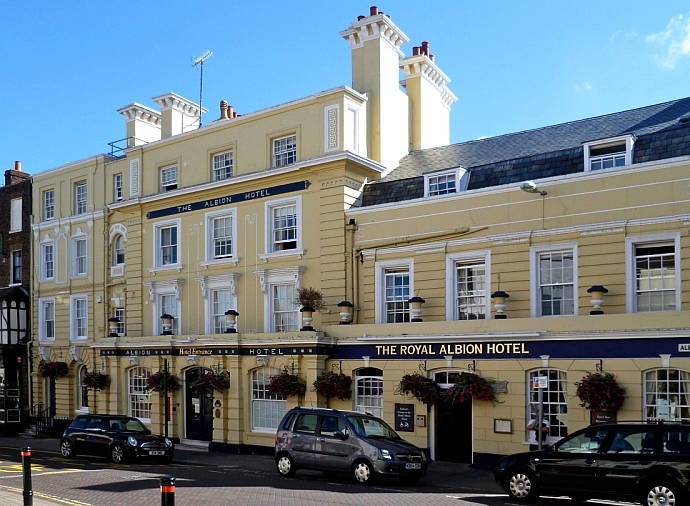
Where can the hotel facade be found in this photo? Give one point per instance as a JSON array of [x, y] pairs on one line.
[[579, 231]]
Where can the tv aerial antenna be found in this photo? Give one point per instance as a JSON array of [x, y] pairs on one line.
[[199, 62]]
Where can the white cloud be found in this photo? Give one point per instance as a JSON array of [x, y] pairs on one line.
[[583, 86], [674, 41]]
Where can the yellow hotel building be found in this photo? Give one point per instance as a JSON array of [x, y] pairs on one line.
[[546, 253]]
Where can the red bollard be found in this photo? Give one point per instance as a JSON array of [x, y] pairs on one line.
[[167, 491], [28, 493]]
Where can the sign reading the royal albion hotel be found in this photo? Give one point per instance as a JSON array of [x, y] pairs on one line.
[[259, 193]]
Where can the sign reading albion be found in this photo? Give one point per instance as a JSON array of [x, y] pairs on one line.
[[230, 199]]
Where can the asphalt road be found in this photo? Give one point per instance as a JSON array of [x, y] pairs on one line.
[[93, 481]]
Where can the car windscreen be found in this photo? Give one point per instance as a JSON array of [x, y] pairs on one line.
[[127, 425], [366, 426]]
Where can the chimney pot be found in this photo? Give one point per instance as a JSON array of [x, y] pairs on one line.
[[415, 51], [231, 112], [360, 18], [425, 48], [223, 109], [18, 165], [432, 57], [373, 10]]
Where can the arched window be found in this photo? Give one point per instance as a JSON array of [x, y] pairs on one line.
[[555, 402], [119, 250], [369, 391], [267, 409], [138, 399], [82, 391], [667, 394]]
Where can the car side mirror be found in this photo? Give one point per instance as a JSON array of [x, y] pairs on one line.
[[342, 435], [147, 432]]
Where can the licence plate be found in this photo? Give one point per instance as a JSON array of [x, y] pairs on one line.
[[156, 452], [413, 465]]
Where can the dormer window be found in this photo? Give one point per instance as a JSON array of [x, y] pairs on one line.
[[446, 182], [608, 153]]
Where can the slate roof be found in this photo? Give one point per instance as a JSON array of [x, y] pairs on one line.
[[541, 152]]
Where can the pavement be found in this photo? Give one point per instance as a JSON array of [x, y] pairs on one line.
[[441, 475]]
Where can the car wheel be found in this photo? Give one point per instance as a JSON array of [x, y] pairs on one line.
[[663, 493], [67, 449], [118, 454], [363, 472], [522, 486], [285, 465]]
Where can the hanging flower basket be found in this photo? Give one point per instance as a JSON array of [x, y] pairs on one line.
[[422, 388], [218, 381], [155, 382], [599, 391], [334, 385], [286, 384], [470, 386], [96, 381], [52, 369]]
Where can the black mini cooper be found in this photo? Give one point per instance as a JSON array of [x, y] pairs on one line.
[[116, 436]]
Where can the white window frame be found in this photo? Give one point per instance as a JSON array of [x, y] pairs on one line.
[[16, 215], [274, 155], [42, 315], [73, 325], [157, 257], [140, 396], [82, 393], [281, 276], [268, 226], [44, 272], [381, 268], [121, 313], [460, 175], [115, 260], [629, 145], [13, 280], [210, 217], [156, 290], [118, 187], [165, 184], [216, 170], [547, 403], [75, 259], [630, 244], [535, 298], [357, 404], [48, 205], [265, 373], [451, 280], [209, 284], [81, 206], [645, 405]]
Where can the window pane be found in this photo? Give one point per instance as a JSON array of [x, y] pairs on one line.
[[471, 293], [138, 393], [667, 395], [655, 277], [556, 283], [397, 293], [555, 403]]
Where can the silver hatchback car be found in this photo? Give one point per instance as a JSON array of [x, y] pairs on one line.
[[333, 441]]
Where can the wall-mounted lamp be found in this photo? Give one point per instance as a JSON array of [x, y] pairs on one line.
[[416, 308], [531, 187], [345, 308], [167, 324], [499, 299], [597, 292], [113, 324], [231, 321]]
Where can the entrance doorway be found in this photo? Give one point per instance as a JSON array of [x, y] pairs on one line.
[[199, 407], [452, 425]]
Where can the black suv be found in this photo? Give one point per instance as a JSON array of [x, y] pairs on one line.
[[645, 462], [116, 436]]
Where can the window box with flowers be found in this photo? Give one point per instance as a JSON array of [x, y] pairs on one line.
[[155, 382], [52, 369], [96, 381], [601, 394], [334, 385], [420, 387], [211, 380], [286, 384]]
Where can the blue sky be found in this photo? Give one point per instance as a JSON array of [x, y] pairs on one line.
[[67, 66]]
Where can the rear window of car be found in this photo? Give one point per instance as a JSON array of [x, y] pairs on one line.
[[676, 441]]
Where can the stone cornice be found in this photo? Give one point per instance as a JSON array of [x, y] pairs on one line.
[[136, 111], [422, 66], [374, 27], [179, 103]]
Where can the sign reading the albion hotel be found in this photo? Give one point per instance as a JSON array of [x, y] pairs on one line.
[[453, 349]]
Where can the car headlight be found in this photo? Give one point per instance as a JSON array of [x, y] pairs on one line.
[[385, 454], [131, 441], [168, 442]]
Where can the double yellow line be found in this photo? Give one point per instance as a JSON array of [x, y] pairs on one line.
[[48, 496]]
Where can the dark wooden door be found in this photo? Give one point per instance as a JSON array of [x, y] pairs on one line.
[[453, 432], [199, 408]]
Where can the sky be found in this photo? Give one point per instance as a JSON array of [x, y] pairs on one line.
[[68, 66]]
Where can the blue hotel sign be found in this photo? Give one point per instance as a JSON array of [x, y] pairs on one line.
[[230, 199]]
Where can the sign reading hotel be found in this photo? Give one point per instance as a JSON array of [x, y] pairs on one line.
[[230, 199]]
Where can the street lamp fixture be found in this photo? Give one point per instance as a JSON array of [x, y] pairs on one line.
[[167, 323], [231, 321]]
